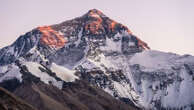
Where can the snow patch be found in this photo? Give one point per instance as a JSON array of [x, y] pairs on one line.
[[152, 60], [102, 62], [131, 44], [147, 93], [45, 77], [112, 45], [79, 37], [11, 50], [37, 55], [122, 89], [64, 73], [180, 94], [10, 72]]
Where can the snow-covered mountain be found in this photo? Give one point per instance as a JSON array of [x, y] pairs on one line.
[[106, 54]]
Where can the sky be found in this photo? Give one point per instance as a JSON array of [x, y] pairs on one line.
[[166, 25]]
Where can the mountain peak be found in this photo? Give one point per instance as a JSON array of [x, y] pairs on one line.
[[95, 11], [96, 22], [93, 27]]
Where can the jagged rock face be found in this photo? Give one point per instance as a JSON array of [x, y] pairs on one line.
[[105, 53]]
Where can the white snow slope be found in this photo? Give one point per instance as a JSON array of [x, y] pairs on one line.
[[164, 77]]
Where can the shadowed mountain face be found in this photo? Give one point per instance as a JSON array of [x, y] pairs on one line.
[[10, 102], [95, 63]]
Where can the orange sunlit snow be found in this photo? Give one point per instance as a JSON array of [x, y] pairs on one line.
[[51, 37], [96, 25]]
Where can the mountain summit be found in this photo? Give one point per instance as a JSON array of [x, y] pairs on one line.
[[92, 27], [93, 23], [88, 62]]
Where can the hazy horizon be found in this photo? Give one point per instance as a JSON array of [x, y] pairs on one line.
[[165, 25]]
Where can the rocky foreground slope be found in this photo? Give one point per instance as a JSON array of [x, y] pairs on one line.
[[10, 102], [88, 54]]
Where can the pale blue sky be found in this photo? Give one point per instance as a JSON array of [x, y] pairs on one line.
[[166, 25]]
